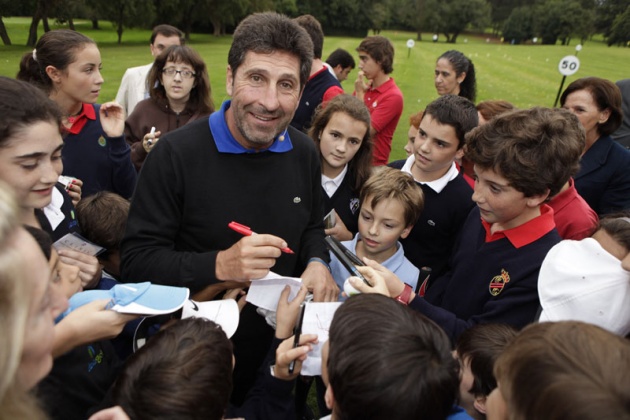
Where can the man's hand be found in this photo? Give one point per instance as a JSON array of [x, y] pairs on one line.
[[250, 258], [318, 280]]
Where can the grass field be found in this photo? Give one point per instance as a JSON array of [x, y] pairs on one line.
[[525, 75]]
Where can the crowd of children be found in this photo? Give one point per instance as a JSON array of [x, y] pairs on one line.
[[491, 288]]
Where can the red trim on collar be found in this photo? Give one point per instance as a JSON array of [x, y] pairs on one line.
[[526, 233], [79, 121], [318, 71]]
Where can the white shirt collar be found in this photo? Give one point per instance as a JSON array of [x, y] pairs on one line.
[[439, 184], [332, 184]]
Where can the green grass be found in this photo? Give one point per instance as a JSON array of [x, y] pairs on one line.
[[525, 75]]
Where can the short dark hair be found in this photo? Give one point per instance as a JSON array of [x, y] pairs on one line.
[[42, 238], [535, 149], [56, 48], [200, 99], [482, 345], [565, 370], [387, 361], [314, 30], [185, 370], [103, 218], [341, 57], [22, 104], [167, 31], [267, 32], [360, 165], [605, 94], [617, 225], [462, 64], [456, 111], [381, 50]]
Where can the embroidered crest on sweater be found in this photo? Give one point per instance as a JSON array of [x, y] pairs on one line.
[[498, 282]]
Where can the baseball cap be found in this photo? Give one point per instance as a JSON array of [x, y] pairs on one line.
[[581, 281], [134, 298]]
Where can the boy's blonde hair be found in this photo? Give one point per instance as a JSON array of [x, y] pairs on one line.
[[392, 184]]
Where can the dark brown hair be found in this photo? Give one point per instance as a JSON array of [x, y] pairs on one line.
[[103, 217], [381, 50], [314, 30], [167, 31], [56, 48], [200, 99], [462, 64], [361, 164], [535, 149], [456, 111], [617, 225], [183, 372], [605, 94], [22, 104], [482, 345], [565, 370], [387, 361], [264, 33], [493, 108]]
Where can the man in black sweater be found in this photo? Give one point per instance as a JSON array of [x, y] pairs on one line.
[[243, 164]]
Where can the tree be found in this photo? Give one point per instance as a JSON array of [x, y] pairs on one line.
[[125, 13], [620, 32], [451, 17], [605, 14], [7, 8], [562, 19], [519, 26]]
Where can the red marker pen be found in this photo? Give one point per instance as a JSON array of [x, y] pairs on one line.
[[246, 231]]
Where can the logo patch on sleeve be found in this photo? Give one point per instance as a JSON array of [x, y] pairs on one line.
[[498, 283]]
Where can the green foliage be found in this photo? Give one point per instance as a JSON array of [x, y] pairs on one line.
[[519, 26], [561, 19], [606, 13], [125, 13], [620, 33], [452, 17]]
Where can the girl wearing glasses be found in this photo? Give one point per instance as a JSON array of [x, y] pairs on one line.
[[66, 65], [179, 93]]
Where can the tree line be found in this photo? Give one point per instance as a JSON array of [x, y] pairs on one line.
[[517, 21]]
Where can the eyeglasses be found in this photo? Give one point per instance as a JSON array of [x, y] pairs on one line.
[[186, 74]]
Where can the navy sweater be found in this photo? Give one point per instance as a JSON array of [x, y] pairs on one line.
[[312, 96], [345, 201], [102, 163], [463, 297]]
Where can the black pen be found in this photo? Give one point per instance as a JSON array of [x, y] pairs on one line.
[[297, 331]]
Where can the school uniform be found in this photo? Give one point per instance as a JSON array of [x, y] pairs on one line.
[[494, 276], [573, 216], [344, 199], [320, 87], [447, 203]]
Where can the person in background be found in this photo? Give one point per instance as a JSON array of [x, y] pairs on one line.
[[382, 97], [455, 75], [66, 65], [321, 86], [134, 86], [579, 371], [622, 135], [340, 63], [180, 93], [603, 179]]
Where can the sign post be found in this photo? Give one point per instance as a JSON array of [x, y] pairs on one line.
[[567, 66], [410, 44]]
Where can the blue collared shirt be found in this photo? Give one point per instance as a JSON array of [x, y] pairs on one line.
[[226, 143]]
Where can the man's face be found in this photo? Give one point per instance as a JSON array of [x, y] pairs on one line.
[[163, 42], [265, 92], [341, 72], [370, 67]]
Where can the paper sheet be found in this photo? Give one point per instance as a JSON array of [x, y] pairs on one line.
[[317, 319], [77, 242], [265, 292]]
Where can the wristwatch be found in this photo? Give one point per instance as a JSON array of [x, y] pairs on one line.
[[405, 295]]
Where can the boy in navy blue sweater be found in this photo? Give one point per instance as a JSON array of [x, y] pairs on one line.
[[521, 159], [439, 142]]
